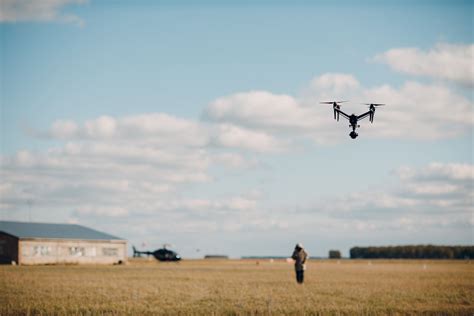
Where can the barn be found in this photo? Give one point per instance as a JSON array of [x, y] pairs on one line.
[[44, 243]]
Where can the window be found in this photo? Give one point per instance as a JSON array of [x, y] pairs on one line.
[[110, 252], [77, 251], [40, 251]]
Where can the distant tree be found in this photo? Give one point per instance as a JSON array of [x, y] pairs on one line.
[[413, 252], [334, 254]]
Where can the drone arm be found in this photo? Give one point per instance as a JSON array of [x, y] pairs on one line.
[[364, 115], [342, 113]]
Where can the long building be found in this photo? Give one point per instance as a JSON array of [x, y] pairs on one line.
[[44, 243]]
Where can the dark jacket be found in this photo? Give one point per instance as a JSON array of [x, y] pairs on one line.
[[300, 256]]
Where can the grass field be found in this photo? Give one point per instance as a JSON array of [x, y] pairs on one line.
[[240, 287]]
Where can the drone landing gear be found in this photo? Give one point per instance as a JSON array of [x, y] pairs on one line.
[[353, 135]]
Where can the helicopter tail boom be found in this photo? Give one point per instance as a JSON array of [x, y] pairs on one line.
[[138, 253]]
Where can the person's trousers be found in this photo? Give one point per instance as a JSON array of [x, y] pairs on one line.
[[300, 276]]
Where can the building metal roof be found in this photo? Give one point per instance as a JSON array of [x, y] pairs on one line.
[[53, 231]]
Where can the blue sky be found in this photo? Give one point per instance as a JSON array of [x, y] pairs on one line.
[[199, 124]]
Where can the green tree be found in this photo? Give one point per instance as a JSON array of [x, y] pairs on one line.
[[334, 254]]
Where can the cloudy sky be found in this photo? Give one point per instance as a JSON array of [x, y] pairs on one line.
[[199, 124]]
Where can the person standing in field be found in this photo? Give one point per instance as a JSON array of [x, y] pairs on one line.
[[300, 256]]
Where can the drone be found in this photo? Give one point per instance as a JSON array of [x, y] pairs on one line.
[[353, 119], [162, 254]]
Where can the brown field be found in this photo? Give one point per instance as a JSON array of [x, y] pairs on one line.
[[240, 287]]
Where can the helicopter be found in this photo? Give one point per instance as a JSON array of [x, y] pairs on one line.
[[162, 254], [353, 119]]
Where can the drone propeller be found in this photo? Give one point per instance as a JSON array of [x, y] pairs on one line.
[[336, 107], [372, 110], [332, 102], [374, 104]]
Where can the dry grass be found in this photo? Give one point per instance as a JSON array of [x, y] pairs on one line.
[[234, 287]]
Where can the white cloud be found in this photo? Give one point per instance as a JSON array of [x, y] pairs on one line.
[[228, 135], [164, 126], [261, 109], [38, 10], [414, 111], [238, 203], [158, 128], [233, 160], [64, 129], [444, 61], [420, 111], [261, 121], [119, 167], [103, 127], [95, 211], [24, 158], [444, 188], [438, 171], [427, 199], [432, 188], [335, 85]]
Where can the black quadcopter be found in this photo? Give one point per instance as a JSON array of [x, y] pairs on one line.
[[353, 119]]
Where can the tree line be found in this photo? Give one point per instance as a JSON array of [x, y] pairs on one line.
[[413, 252]]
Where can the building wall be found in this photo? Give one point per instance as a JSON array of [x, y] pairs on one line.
[[50, 251], [8, 248]]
